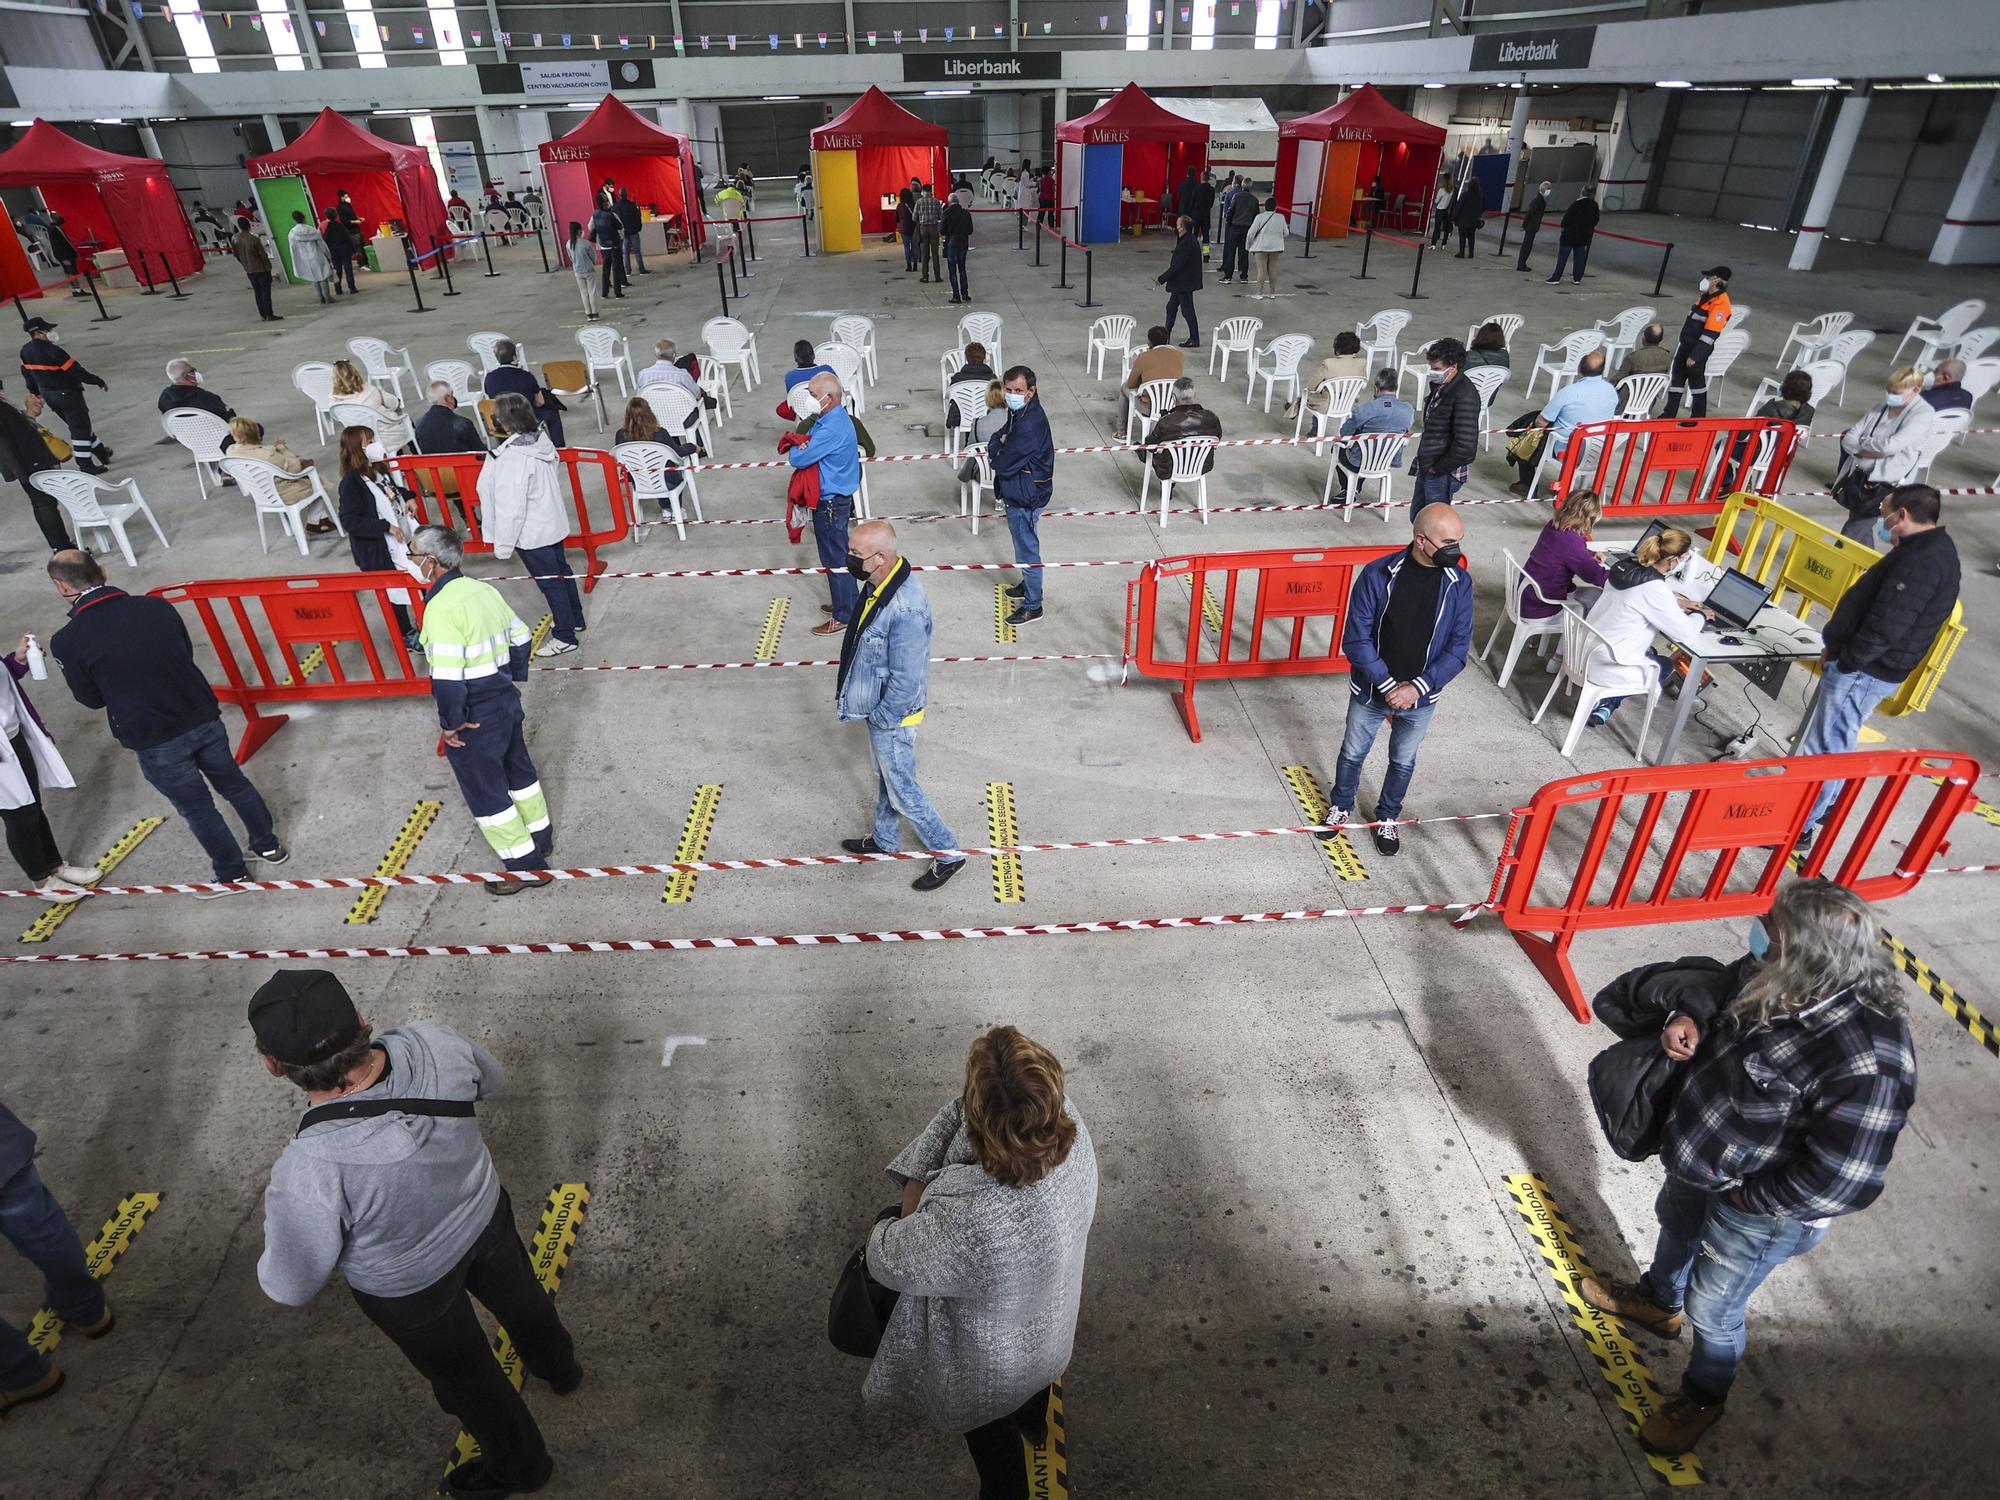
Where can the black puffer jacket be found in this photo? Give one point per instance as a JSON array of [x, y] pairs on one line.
[[1451, 428], [1885, 623], [1633, 1082]]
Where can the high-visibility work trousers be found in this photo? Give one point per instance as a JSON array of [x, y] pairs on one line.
[[500, 785]]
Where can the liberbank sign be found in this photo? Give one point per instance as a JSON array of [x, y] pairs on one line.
[[980, 67], [1528, 51]]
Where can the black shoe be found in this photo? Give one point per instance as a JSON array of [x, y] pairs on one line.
[[1333, 815], [476, 1476], [566, 1383], [940, 871], [1021, 615], [1388, 840], [512, 886], [275, 318], [1806, 838], [1017, 591], [863, 846], [1190, 343], [277, 854], [414, 642]]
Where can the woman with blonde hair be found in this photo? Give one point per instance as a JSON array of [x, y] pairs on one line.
[[1562, 564], [1637, 605], [998, 1196], [1882, 450], [249, 443]]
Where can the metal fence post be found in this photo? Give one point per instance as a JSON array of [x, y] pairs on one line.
[[444, 266], [722, 286], [1062, 276], [542, 245], [1417, 275], [1088, 299], [416, 286], [1367, 245], [486, 248], [145, 277], [1661, 280], [90, 280], [805, 233]]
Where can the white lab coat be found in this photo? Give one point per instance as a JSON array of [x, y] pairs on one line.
[[1629, 620], [49, 766]]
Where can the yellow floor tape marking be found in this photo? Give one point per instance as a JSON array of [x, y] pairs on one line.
[[1210, 610], [1004, 827], [1311, 800], [314, 660], [1870, 736], [46, 924], [415, 826], [1980, 809], [1955, 1005], [694, 841], [1048, 1464], [542, 628], [549, 1254], [112, 1241], [1002, 607], [774, 626], [1631, 1382]]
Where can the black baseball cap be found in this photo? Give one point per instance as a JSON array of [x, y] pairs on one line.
[[1722, 271], [38, 325], [303, 1016]]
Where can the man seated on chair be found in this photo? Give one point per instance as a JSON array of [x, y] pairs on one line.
[[805, 365], [669, 370], [443, 428], [1186, 418], [1159, 360], [1588, 398], [184, 389], [1945, 392], [509, 379], [1650, 357], [1387, 412]]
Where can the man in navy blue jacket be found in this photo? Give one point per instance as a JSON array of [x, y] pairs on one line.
[[1409, 626], [1182, 279], [1023, 456]]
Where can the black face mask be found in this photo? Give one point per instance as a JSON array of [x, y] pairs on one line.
[[1447, 556], [857, 567]]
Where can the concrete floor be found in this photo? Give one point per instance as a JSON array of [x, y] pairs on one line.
[[1307, 1276]]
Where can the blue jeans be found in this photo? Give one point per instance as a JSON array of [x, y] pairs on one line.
[[830, 534], [183, 769], [1564, 253], [1021, 523], [550, 565], [1710, 1257], [1365, 717], [1432, 489], [897, 792], [910, 251], [635, 257], [1846, 699], [33, 1222]]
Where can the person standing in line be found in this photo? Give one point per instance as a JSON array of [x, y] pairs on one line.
[[999, 1194], [256, 263], [1409, 627], [1204, 209], [956, 228], [1441, 213], [885, 668], [132, 657], [1182, 279], [1237, 219], [583, 266], [1022, 455], [1450, 438], [929, 217], [374, 512], [388, 1181], [835, 447], [1025, 196], [609, 236], [1468, 212], [1266, 244], [1705, 323], [34, 1224], [1184, 196], [1579, 228], [1045, 195], [1531, 223], [348, 214], [630, 224], [340, 247], [24, 453], [310, 260], [1786, 1119], [478, 651], [30, 762], [51, 372], [906, 226], [521, 509]]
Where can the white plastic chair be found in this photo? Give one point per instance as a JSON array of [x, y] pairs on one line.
[[1189, 457], [314, 381], [1510, 324], [1278, 364], [1113, 331], [78, 495], [1416, 367], [382, 362], [1148, 401], [1375, 455], [1378, 336], [482, 345], [969, 397], [1813, 335], [1976, 343], [1981, 376], [203, 434], [1738, 311], [858, 333], [971, 492], [1487, 380], [949, 364], [672, 406], [259, 481], [650, 465], [847, 363], [982, 328], [1729, 347], [1589, 666], [1842, 352], [393, 433], [1341, 396], [1621, 333], [1640, 393], [1232, 336], [1570, 350], [1937, 337], [730, 344], [1518, 586], [1823, 373], [605, 348], [1945, 426]]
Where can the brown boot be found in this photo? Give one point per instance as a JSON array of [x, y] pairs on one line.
[[1677, 1426], [1630, 1301], [39, 1390]]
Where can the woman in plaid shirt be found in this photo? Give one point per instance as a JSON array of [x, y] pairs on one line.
[[1786, 1118]]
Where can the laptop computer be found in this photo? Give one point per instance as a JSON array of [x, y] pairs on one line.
[[1736, 599], [1648, 534]]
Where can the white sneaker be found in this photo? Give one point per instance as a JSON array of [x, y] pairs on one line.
[[80, 874], [214, 895], [554, 647], [61, 891]]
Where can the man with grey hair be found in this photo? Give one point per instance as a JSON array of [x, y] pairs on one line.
[[886, 689], [443, 428], [1182, 278], [1795, 1082], [510, 379], [1186, 418], [835, 447], [1945, 393], [185, 390]]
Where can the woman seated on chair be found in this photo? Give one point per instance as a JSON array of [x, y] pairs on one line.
[[1343, 364], [1562, 566], [641, 424], [983, 429], [249, 443], [1489, 347], [974, 368], [1638, 604], [350, 385]]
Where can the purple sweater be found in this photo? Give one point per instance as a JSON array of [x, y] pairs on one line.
[[1560, 561]]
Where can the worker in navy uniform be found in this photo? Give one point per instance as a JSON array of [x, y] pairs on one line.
[[1707, 320], [55, 375]]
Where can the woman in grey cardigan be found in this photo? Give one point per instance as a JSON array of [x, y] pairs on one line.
[[998, 1195]]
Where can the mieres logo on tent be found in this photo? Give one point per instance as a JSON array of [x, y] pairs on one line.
[[569, 153], [1354, 132], [840, 143], [1109, 137]]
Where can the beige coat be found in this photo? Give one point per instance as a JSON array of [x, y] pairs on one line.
[[1333, 367], [279, 457]]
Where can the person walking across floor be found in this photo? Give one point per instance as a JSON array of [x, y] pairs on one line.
[[1531, 223], [33, 1223], [521, 510], [885, 666], [30, 763], [387, 1180], [478, 651], [1450, 439], [51, 372], [1409, 627], [956, 228], [1579, 228], [1182, 279], [256, 263], [1022, 456], [1468, 212], [929, 216], [1704, 324], [1266, 244], [310, 260], [835, 447], [27, 449], [341, 249], [131, 657], [583, 266], [629, 225]]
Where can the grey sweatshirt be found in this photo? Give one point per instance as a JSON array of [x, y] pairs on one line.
[[391, 1201]]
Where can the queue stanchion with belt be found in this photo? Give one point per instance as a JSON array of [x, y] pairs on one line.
[[145, 277], [416, 286], [750, 238], [1367, 245], [805, 233], [1088, 299], [18, 308], [1062, 283], [486, 248], [1504, 217], [90, 280], [173, 280], [734, 255], [443, 253], [1418, 275], [1665, 256], [542, 245], [697, 228], [1020, 228], [722, 284]]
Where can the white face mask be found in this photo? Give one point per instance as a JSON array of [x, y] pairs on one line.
[[376, 453], [1547, 188], [1702, 285]]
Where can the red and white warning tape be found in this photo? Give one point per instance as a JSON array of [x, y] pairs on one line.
[[1955, 870], [826, 661]]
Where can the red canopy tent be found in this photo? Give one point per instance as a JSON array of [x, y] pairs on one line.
[[122, 201], [657, 167], [1128, 141], [890, 146], [1332, 158], [385, 179]]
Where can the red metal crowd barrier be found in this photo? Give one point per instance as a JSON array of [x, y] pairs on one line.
[[1683, 831], [251, 621], [1289, 586], [446, 487], [1620, 460]]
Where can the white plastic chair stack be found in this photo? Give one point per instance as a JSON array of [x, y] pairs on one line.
[[314, 381], [482, 346], [672, 406], [858, 333], [1937, 337], [1375, 455], [1510, 324], [1188, 457], [1519, 587], [651, 466], [606, 349], [1113, 331], [1621, 333], [385, 365], [203, 434], [1341, 396], [846, 362], [259, 481], [1589, 666], [1148, 401], [969, 397], [1378, 337], [982, 328], [393, 433], [971, 492], [78, 495], [1569, 351], [732, 345], [1278, 364], [1232, 336], [1640, 395], [1811, 336], [1487, 380]]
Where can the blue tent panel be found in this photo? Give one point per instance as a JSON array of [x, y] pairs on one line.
[[1103, 177]]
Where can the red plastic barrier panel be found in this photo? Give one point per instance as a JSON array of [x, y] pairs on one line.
[[1694, 460], [1285, 586], [1687, 843], [280, 640], [446, 487]]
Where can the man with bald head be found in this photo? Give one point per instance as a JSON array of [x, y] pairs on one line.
[[1409, 626], [834, 447], [885, 668]]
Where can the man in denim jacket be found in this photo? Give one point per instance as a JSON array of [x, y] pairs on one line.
[[885, 666]]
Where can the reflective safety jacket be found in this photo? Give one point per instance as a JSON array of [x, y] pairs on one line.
[[1706, 319], [476, 645], [47, 369]]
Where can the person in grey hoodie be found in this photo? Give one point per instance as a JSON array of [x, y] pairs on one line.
[[388, 1182], [521, 510]]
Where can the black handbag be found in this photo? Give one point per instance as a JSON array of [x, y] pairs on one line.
[[861, 1305], [1859, 496]]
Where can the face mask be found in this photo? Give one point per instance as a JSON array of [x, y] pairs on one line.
[[1446, 556], [375, 452], [1547, 188], [1702, 285], [1884, 537], [1895, 398], [1015, 400], [1760, 940], [1435, 377], [856, 566]]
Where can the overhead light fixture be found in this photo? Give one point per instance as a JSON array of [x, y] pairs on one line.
[[587, 104], [1433, 85], [780, 98], [1672, 83], [944, 93], [1815, 83], [20, 124], [111, 120], [1933, 78]]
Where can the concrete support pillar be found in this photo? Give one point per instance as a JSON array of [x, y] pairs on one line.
[[493, 20], [1517, 134], [1062, 104], [1970, 234], [1826, 186], [275, 132], [498, 166], [150, 141], [308, 38]]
